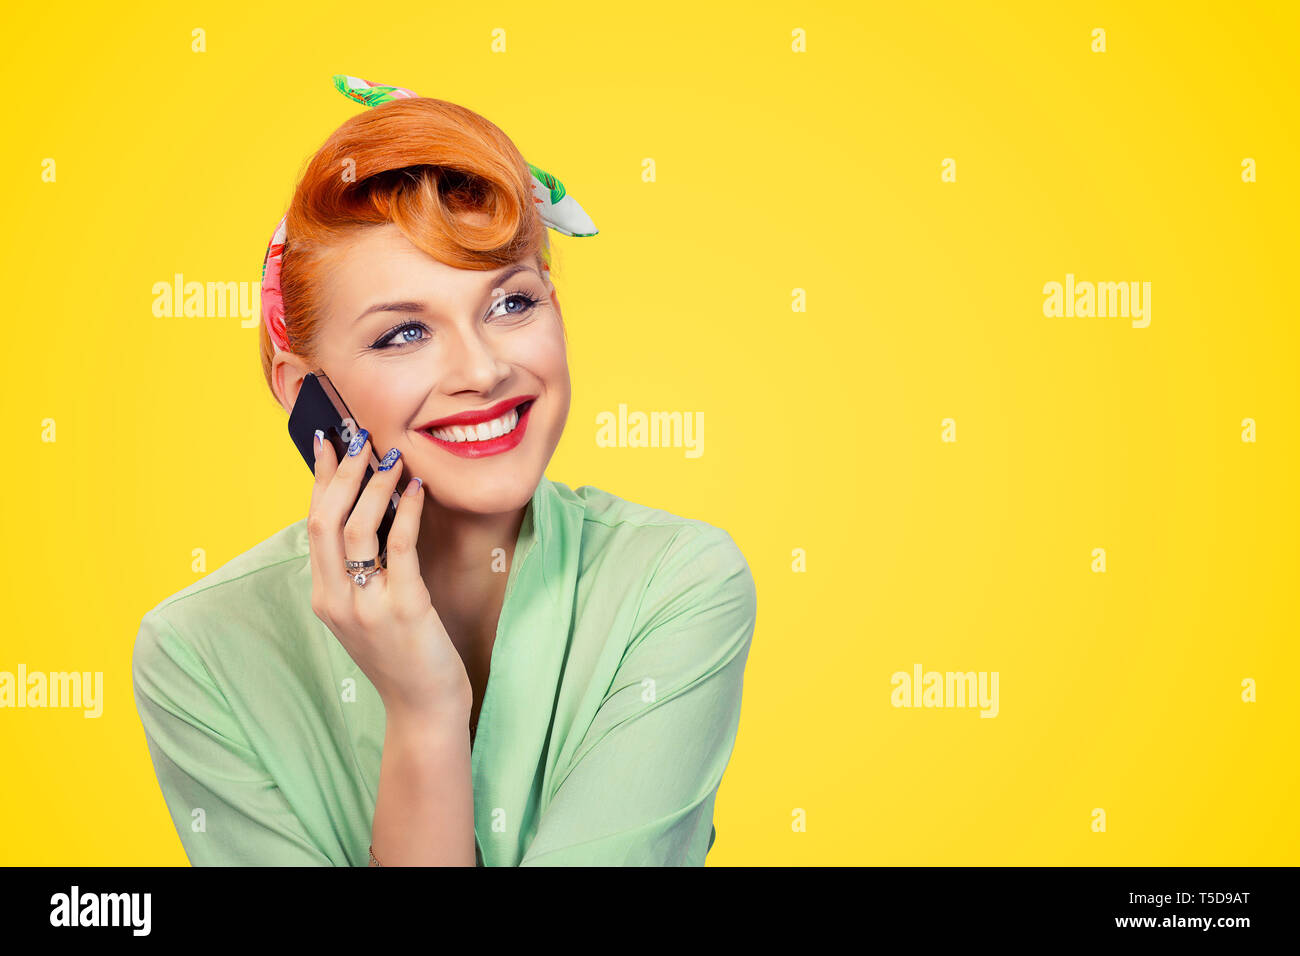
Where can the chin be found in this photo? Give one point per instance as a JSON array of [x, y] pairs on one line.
[[487, 501], [472, 487], [494, 484]]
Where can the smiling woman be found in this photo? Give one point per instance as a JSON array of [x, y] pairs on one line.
[[536, 674], [413, 343]]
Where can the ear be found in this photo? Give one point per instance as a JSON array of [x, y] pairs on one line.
[[287, 373]]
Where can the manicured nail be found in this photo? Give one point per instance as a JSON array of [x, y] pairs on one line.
[[413, 487], [358, 442], [320, 437], [390, 459]]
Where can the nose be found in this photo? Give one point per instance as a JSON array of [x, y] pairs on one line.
[[469, 362]]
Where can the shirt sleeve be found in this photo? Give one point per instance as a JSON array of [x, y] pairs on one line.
[[203, 761], [641, 788]]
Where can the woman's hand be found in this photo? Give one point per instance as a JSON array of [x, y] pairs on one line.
[[389, 626]]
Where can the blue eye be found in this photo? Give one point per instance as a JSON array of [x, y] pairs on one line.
[[400, 335], [405, 334], [528, 302]]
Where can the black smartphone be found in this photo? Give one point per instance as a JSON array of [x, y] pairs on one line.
[[319, 405]]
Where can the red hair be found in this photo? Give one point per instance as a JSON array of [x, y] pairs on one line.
[[419, 163]]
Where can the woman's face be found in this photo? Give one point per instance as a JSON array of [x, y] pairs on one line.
[[408, 341]]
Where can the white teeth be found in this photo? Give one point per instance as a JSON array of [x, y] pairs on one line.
[[481, 432]]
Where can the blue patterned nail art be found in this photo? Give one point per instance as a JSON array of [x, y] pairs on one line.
[[358, 442], [390, 459]]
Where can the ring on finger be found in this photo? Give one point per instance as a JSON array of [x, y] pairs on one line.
[[361, 571], [359, 578]]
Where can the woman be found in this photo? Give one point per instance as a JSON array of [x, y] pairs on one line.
[[538, 675]]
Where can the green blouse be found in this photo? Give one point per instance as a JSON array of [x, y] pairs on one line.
[[610, 713]]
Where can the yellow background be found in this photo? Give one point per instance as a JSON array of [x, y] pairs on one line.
[[775, 171]]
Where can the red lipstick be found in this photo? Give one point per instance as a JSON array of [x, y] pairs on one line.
[[490, 446], [478, 415]]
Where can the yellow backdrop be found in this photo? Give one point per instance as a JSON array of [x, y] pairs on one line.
[[826, 230]]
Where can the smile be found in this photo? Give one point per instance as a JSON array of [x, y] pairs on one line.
[[491, 437]]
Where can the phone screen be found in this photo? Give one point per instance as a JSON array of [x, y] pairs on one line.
[[320, 406]]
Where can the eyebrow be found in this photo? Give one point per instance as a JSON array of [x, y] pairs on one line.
[[413, 306]]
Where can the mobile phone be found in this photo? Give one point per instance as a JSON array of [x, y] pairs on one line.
[[320, 406]]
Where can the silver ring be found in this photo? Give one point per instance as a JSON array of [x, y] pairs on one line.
[[360, 578], [360, 571]]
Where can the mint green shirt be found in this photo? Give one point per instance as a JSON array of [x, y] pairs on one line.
[[611, 708]]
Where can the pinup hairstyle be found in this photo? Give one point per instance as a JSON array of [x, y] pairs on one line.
[[421, 164]]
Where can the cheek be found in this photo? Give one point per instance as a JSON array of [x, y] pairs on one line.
[[543, 353], [385, 403]]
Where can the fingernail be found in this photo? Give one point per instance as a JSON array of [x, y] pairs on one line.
[[320, 437], [413, 487], [358, 442], [390, 459]]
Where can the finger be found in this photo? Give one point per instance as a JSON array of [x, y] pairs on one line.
[[341, 494], [403, 562], [361, 532], [323, 468], [324, 543], [329, 511]]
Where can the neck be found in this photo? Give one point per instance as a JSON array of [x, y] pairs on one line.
[[465, 573]]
